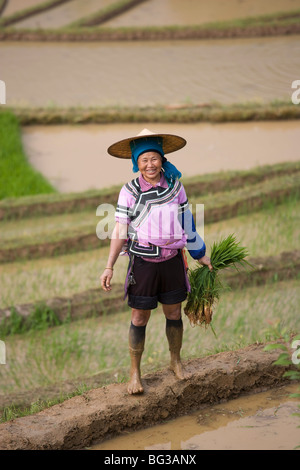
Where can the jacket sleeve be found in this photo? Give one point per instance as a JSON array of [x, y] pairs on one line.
[[195, 245], [125, 203]]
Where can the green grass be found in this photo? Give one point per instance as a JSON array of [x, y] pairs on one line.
[[199, 185], [17, 177], [209, 112], [235, 27], [220, 205], [13, 412], [266, 233]]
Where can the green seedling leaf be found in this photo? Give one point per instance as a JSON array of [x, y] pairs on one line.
[[270, 347], [283, 360]]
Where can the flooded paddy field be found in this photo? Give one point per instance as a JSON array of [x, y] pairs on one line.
[[13, 6], [61, 15], [149, 73], [154, 12], [191, 12], [72, 158]]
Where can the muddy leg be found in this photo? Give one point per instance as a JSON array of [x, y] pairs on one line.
[[136, 347], [174, 333]]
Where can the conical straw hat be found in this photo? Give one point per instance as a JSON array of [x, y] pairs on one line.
[[122, 149]]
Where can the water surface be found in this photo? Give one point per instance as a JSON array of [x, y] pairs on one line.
[[64, 14], [193, 12], [149, 73], [263, 421], [74, 158]]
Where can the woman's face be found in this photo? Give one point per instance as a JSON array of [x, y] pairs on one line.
[[149, 164]]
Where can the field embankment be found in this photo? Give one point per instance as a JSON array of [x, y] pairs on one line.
[[172, 113], [67, 231], [108, 411]]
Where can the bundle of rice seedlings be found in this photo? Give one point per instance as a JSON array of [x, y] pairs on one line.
[[206, 285]]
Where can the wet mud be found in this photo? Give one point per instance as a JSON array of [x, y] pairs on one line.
[[261, 421], [105, 412]]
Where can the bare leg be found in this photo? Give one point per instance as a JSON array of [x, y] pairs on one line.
[[139, 320], [174, 333]]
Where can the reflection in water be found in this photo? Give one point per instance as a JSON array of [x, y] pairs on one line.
[[264, 421], [74, 158], [193, 12], [149, 73]]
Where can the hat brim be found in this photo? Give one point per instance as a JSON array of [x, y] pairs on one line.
[[122, 149]]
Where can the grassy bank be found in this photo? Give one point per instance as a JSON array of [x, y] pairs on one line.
[[200, 185], [53, 235], [263, 25], [173, 113], [17, 177], [268, 232]]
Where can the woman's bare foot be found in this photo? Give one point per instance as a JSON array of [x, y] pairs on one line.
[[177, 368], [135, 385]]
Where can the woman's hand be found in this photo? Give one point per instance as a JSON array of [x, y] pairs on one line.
[[205, 261], [106, 278]]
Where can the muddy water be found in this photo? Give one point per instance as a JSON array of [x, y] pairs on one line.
[[154, 12], [65, 14], [263, 421], [74, 158], [191, 12], [149, 73], [13, 6]]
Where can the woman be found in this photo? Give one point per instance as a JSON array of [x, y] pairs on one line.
[[152, 215]]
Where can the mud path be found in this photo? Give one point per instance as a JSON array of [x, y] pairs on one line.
[[108, 411]]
